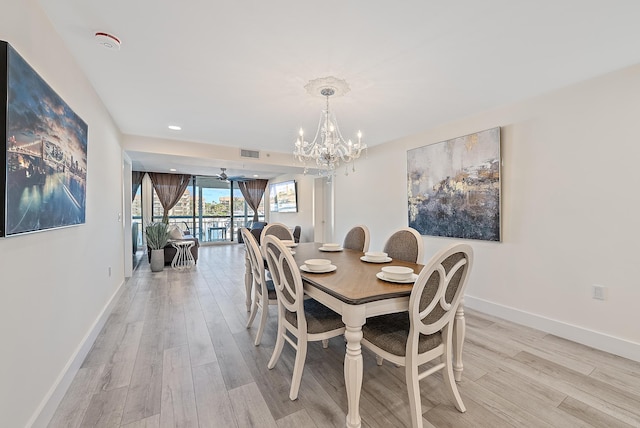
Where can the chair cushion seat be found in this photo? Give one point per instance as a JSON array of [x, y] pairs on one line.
[[390, 332], [319, 318]]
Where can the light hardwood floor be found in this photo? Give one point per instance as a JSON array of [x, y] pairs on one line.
[[175, 353]]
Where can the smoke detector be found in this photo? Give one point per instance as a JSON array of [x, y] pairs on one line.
[[108, 41]]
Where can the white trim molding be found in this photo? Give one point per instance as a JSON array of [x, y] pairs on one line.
[[594, 339], [43, 414]]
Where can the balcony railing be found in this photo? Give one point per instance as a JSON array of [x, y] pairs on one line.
[[206, 228]]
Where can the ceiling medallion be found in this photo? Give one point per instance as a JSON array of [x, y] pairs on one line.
[[339, 86], [328, 148]]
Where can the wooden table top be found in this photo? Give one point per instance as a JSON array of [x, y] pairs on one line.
[[354, 281]]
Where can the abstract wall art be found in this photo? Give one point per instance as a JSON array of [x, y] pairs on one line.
[[44, 152], [454, 187]]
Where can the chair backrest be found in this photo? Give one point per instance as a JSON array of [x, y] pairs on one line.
[[357, 239], [278, 230], [296, 233], [405, 244], [255, 259], [256, 234], [438, 291], [286, 278]]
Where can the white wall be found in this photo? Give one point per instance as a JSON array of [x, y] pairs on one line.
[[569, 210], [55, 283], [304, 216], [570, 206]]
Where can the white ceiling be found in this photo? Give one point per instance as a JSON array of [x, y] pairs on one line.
[[232, 73]]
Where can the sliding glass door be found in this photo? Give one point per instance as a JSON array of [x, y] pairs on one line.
[[211, 210], [220, 210]]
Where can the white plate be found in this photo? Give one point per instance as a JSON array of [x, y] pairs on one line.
[[414, 276], [331, 268], [366, 259], [330, 249]]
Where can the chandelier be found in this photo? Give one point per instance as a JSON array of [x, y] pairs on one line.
[[328, 148]]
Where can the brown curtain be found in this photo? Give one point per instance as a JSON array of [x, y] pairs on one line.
[[136, 181], [252, 192], [170, 188]]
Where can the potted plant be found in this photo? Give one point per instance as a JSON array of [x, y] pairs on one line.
[[157, 238]]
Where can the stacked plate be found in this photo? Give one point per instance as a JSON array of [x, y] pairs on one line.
[[375, 257], [397, 274], [318, 266]]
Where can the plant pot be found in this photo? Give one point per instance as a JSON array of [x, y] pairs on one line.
[[157, 260]]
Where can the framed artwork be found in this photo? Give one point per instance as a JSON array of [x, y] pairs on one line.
[[283, 197], [454, 187], [44, 152]]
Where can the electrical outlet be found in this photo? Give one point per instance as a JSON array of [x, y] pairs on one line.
[[599, 292]]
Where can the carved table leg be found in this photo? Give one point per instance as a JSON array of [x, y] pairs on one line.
[[459, 328], [354, 318]]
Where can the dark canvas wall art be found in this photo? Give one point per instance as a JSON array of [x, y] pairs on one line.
[[45, 151], [454, 187]]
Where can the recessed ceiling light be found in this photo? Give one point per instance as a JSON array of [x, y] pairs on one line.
[[172, 169], [175, 127], [256, 175]]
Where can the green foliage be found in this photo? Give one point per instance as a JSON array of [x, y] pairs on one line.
[[157, 235], [222, 209]]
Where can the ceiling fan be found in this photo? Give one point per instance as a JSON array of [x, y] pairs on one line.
[[224, 177]]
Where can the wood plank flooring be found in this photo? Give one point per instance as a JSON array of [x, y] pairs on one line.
[[175, 353]]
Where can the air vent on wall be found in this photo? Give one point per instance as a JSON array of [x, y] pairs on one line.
[[249, 154]]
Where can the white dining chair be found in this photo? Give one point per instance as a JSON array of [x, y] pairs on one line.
[[424, 333], [264, 293], [248, 275], [357, 239], [300, 320], [277, 229], [405, 244]]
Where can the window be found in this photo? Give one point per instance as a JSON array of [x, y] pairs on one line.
[[205, 209]]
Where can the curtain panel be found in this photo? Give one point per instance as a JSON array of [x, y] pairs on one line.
[[136, 181], [170, 188], [253, 191]]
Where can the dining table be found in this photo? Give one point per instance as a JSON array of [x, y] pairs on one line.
[[354, 291]]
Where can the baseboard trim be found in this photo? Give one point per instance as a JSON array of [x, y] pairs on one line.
[[594, 339], [43, 414]]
